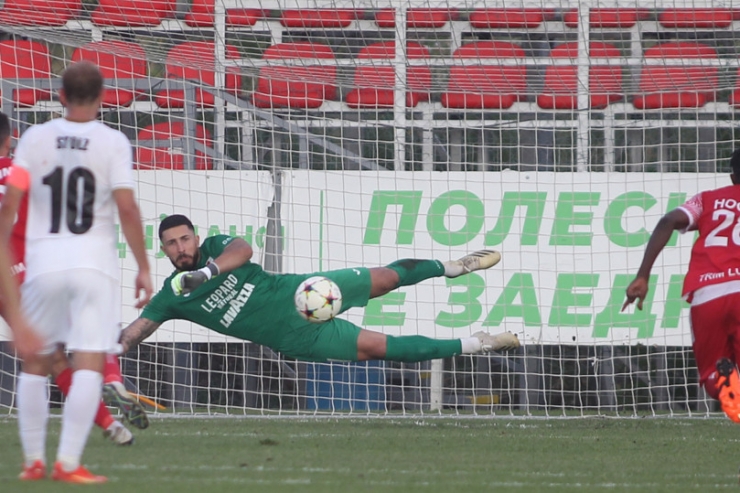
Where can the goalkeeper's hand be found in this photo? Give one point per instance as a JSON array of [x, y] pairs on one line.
[[187, 282]]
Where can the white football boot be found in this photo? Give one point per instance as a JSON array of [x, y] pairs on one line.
[[482, 259], [505, 341]]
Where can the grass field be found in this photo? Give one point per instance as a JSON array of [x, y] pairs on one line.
[[404, 455]]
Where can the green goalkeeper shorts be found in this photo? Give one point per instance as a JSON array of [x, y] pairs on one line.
[[333, 340]]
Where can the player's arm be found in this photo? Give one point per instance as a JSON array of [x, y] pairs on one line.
[[137, 331], [24, 338], [237, 253], [128, 212], [677, 219], [15, 189]]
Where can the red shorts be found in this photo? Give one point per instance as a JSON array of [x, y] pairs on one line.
[[716, 329]]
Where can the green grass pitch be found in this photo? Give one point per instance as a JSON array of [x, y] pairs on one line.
[[417, 454]]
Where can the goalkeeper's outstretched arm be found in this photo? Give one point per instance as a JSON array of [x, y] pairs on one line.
[[137, 331], [235, 254]]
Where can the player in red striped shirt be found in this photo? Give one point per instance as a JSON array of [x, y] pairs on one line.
[[711, 285], [61, 370]]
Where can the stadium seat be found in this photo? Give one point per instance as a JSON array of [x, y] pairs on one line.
[[196, 61], [39, 12], [24, 59], [165, 154], [117, 60], [507, 18], [132, 13], [486, 86], [296, 86], [677, 86], [608, 18], [696, 18], [561, 81], [417, 18], [735, 96], [334, 18], [374, 84], [202, 11]]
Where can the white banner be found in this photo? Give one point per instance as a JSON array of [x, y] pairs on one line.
[[570, 243]]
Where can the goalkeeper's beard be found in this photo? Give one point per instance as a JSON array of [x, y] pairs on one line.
[[183, 265]]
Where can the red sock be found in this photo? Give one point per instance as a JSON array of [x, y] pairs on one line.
[[112, 371], [64, 381], [103, 418]]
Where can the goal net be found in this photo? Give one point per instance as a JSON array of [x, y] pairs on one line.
[[333, 134]]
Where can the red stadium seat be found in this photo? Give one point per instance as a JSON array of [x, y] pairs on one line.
[[196, 61], [25, 60], [608, 18], [677, 86], [202, 12], [507, 18], [163, 154], [417, 18], [486, 86], [117, 60], [296, 86], [561, 81], [335, 18], [39, 12], [374, 84], [696, 18], [132, 13], [735, 96]]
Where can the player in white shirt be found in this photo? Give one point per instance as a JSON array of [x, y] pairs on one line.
[[77, 172]]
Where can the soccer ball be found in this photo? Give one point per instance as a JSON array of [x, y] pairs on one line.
[[318, 299]]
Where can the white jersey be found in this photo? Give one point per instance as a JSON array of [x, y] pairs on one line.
[[73, 168]]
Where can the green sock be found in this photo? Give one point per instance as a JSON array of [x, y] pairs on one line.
[[410, 349], [413, 271]]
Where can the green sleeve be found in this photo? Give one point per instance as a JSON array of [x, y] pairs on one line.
[[213, 246], [157, 310]]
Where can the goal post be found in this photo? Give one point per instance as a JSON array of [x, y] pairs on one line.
[[332, 134]]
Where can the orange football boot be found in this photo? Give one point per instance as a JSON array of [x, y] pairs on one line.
[[34, 472], [78, 476], [728, 384]]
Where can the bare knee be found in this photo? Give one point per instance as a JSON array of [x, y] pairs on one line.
[[371, 345], [59, 362], [37, 364], [382, 281], [88, 360]]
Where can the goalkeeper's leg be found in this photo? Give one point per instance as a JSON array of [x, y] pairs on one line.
[[342, 340], [407, 272], [410, 349]]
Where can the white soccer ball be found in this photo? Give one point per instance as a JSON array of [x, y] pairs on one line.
[[318, 299]]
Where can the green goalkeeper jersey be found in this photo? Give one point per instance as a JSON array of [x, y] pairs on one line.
[[247, 303]]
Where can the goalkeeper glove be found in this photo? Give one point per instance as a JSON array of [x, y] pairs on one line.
[[187, 282]]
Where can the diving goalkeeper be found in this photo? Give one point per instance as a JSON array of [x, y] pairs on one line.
[[217, 286]]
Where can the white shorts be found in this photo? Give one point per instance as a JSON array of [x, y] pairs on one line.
[[80, 309]]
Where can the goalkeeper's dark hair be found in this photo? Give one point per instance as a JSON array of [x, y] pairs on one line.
[[735, 163], [173, 221], [4, 128]]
